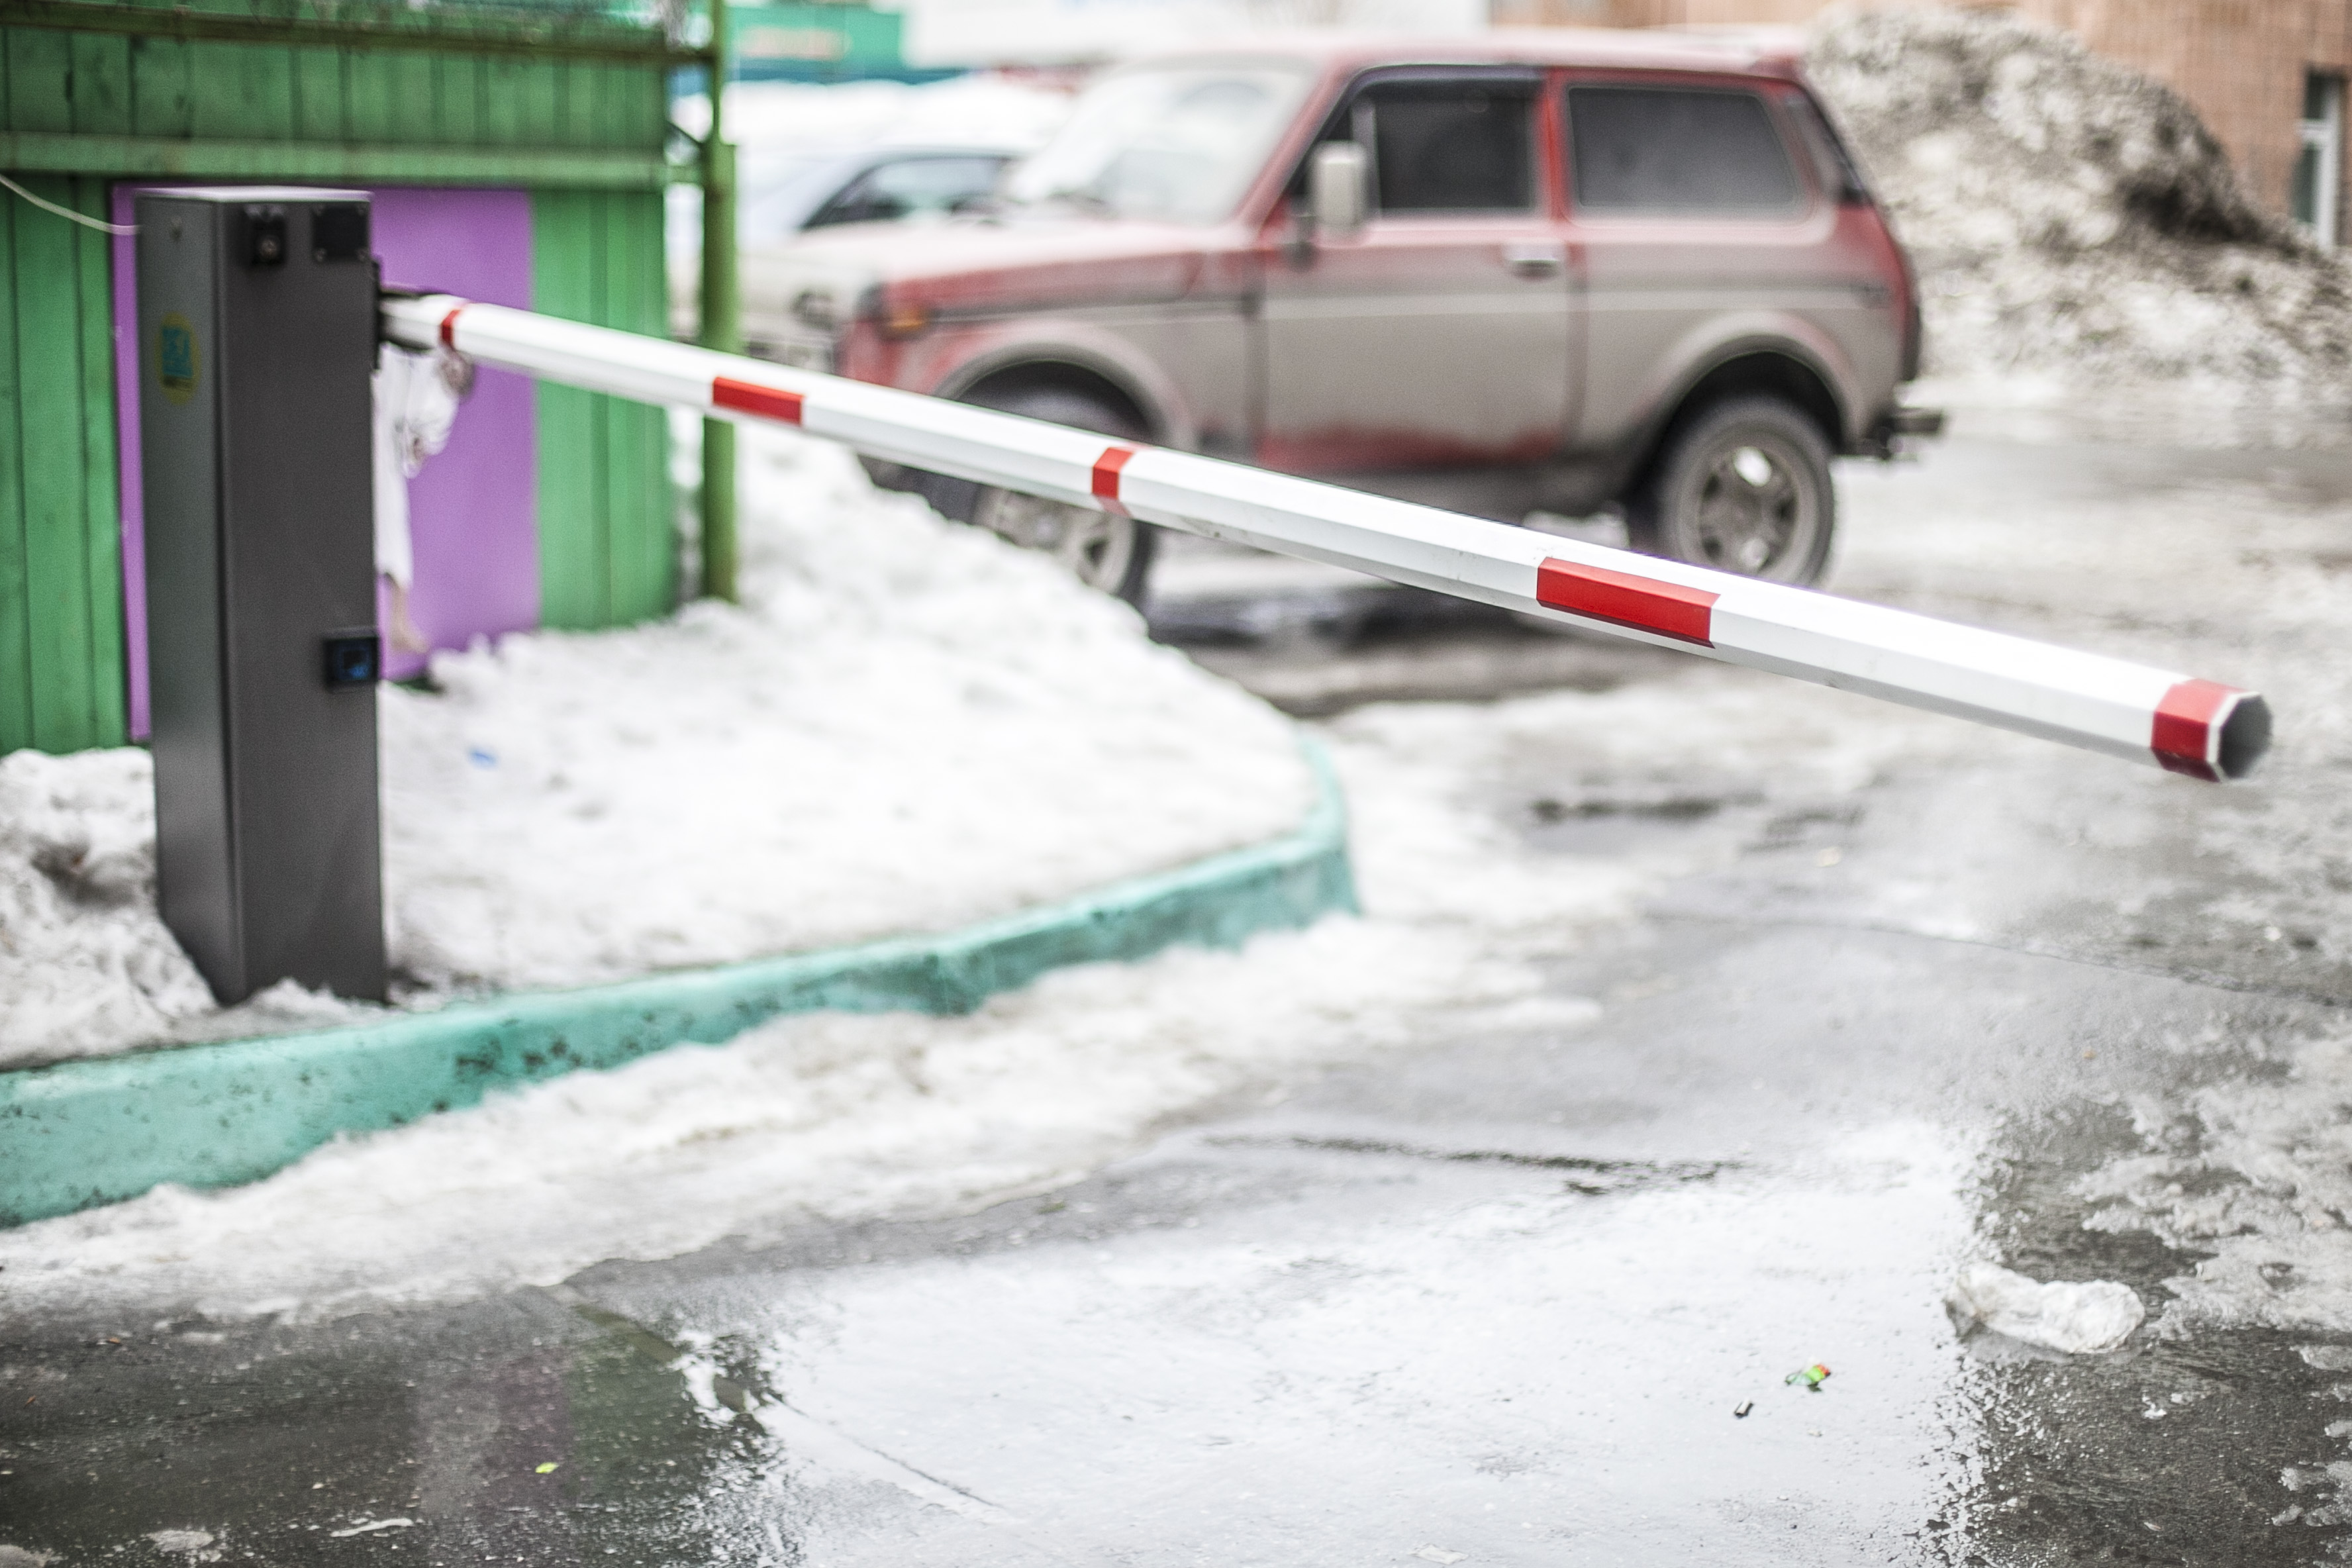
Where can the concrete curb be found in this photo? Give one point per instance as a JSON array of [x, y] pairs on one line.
[[81, 1134]]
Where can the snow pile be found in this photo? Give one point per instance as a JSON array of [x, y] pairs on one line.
[[83, 956], [909, 725], [2076, 1317], [85, 964], [2069, 216]]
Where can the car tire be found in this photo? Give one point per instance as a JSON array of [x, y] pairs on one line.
[[1743, 486], [1103, 550]]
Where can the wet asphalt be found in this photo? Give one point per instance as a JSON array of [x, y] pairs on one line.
[[1519, 1293]]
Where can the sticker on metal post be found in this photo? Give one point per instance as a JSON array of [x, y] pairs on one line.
[[176, 362]]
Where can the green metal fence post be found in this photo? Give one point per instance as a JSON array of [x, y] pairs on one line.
[[721, 323]]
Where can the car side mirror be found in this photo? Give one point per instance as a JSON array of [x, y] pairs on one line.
[[1337, 181]]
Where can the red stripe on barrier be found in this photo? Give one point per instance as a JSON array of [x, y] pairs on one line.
[[746, 397], [1107, 472], [1622, 599], [449, 329], [2182, 735]]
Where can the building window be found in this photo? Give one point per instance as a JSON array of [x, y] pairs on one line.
[[2315, 196]]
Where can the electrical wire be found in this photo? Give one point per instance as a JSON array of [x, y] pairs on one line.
[[87, 222]]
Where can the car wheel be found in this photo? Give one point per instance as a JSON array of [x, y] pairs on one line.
[[1102, 550], [1744, 487]]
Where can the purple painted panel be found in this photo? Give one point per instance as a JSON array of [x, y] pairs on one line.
[[473, 510]]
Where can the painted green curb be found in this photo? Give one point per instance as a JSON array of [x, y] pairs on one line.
[[87, 1133]]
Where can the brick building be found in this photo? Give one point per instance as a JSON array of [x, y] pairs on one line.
[[2267, 74]]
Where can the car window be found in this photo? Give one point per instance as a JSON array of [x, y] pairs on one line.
[[1678, 150], [910, 187], [1449, 146], [1832, 162]]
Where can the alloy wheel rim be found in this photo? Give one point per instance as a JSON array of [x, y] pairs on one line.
[[1751, 511]]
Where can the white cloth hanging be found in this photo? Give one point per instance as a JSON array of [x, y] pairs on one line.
[[417, 398]]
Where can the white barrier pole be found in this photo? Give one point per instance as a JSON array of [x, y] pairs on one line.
[[2166, 720]]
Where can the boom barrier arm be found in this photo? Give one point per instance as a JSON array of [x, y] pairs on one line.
[[2188, 726]]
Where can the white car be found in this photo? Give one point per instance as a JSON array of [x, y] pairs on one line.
[[783, 194]]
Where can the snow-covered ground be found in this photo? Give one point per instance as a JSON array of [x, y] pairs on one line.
[[1383, 1341], [909, 725], [843, 1116], [851, 1116], [830, 1116]]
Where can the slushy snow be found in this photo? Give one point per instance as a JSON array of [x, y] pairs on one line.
[[840, 1116], [909, 725], [2253, 1178]]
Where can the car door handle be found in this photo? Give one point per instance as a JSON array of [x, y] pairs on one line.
[[1536, 260]]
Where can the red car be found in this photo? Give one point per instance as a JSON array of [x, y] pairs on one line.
[[1551, 269]]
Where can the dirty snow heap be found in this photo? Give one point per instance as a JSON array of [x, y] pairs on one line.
[[2071, 217]]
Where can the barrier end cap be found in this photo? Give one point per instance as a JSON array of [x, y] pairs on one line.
[[2245, 736]]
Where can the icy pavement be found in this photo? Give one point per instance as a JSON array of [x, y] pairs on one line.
[[1702, 1028]]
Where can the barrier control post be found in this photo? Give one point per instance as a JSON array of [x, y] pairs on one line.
[[257, 339]]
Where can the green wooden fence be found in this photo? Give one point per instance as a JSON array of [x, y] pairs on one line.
[[61, 670], [566, 102], [605, 551]]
